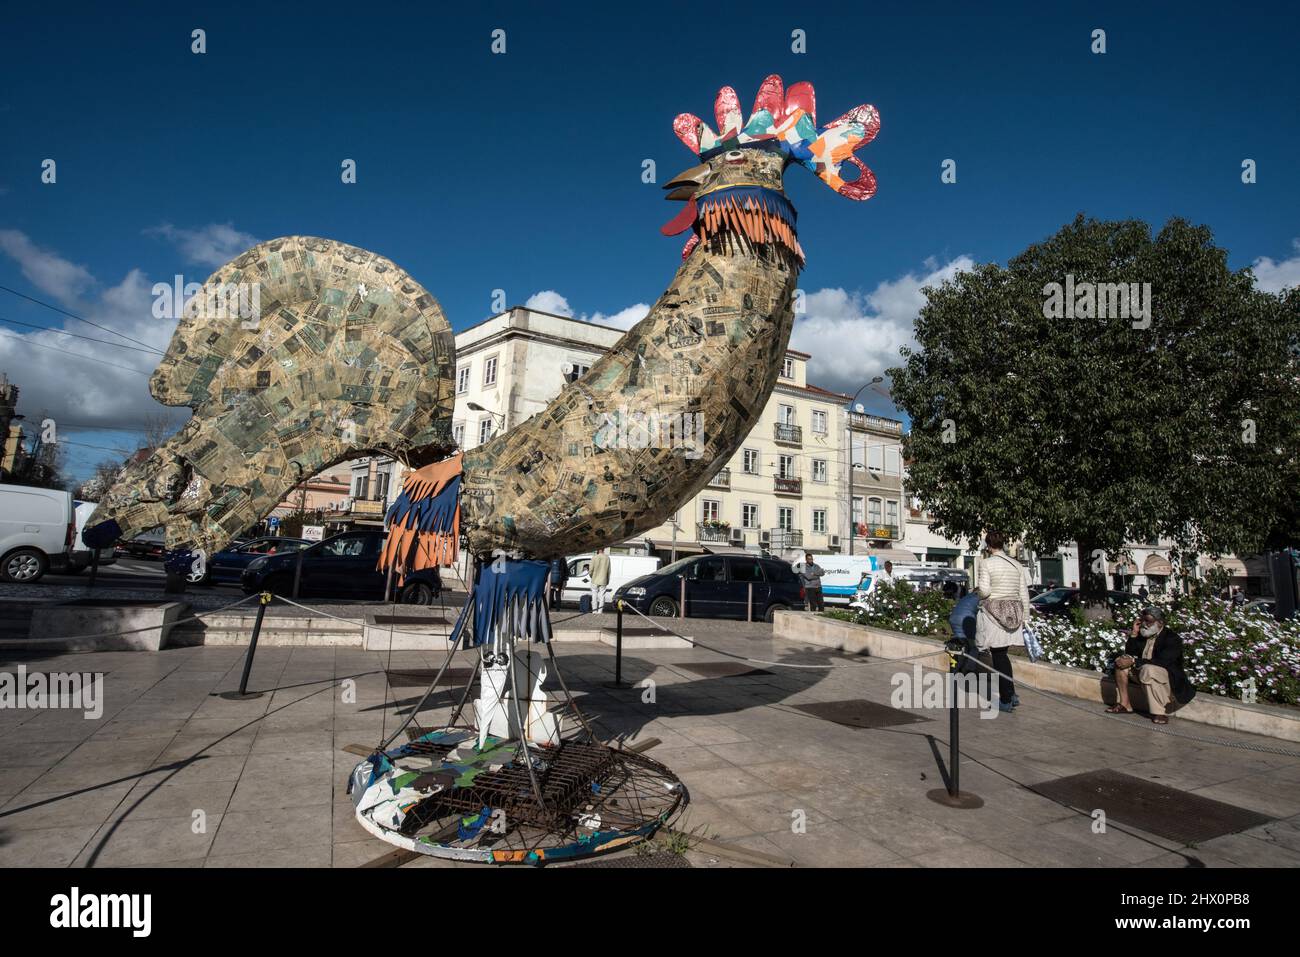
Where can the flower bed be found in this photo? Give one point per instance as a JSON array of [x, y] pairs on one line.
[[1223, 647]]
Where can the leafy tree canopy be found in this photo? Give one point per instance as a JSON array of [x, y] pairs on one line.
[[1105, 430]]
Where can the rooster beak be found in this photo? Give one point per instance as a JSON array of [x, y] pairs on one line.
[[686, 183]]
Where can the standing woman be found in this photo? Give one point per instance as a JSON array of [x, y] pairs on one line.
[[1003, 586]]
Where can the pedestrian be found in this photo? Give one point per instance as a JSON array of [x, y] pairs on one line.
[[558, 575], [1153, 656], [1003, 587], [1142, 593], [599, 580], [810, 575], [1238, 598], [887, 576]]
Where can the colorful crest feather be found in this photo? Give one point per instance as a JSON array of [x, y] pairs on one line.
[[788, 119]]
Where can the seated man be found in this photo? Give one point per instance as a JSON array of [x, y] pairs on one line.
[[1153, 655]]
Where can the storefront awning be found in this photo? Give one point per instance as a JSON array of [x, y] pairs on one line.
[[891, 554], [1156, 565], [1125, 566], [1235, 567]]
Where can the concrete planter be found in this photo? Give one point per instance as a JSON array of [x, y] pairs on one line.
[[1274, 721], [94, 625]]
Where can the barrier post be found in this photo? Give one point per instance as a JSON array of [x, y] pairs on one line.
[[681, 613], [297, 575], [951, 796], [618, 647], [749, 604], [243, 693], [94, 568]]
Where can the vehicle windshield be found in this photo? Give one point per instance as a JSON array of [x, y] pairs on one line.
[[1053, 597], [678, 567]]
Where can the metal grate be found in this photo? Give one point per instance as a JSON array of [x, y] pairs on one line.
[[656, 859], [722, 669], [859, 713], [1155, 808]]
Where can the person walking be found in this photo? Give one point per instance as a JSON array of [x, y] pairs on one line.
[[599, 580], [1003, 586], [810, 575], [558, 575]]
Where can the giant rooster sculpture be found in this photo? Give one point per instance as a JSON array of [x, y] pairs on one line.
[[351, 356]]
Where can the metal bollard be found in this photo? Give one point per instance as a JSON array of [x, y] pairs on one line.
[[682, 608], [951, 796], [297, 574], [749, 604], [618, 648], [94, 568], [243, 693]]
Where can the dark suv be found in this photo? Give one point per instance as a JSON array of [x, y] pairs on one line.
[[717, 586], [342, 566]]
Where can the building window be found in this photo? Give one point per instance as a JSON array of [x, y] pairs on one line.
[[711, 509], [381, 486], [819, 421], [751, 461], [749, 516], [873, 512], [819, 520], [785, 414], [857, 510], [484, 430], [576, 371], [819, 473], [462, 380], [490, 371], [361, 487], [458, 433], [787, 368], [785, 518], [891, 514], [785, 466]]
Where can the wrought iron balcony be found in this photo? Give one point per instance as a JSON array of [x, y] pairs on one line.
[[721, 480], [783, 538], [789, 434], [787, 486], [714, 533]]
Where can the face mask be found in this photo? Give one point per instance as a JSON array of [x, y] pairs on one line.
[[1148, 630]]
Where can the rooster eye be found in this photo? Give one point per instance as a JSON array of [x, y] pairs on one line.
[[735, 155]]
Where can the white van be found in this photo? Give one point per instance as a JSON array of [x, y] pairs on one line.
[[622, 569], [843, 572], [78, 559], [36, 526]]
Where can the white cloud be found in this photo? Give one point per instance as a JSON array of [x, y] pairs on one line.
[[1276, 275], [548, 300], [854, 336], [79, 391], [212, 245], [47, 271]]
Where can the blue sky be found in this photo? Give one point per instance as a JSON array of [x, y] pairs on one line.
[[522, 171]]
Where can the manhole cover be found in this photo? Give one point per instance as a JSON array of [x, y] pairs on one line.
[[420, 678], [722, 669], [656, 859], [1177, 815], [859, 713]]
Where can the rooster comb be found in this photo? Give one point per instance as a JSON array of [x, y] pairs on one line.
[[787, 120]]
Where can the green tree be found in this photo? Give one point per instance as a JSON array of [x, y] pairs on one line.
[[1098, 430]]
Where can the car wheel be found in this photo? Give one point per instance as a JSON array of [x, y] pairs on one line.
[[24, 566], [199, 578], [417, 593], [771, 612], [663, 607]]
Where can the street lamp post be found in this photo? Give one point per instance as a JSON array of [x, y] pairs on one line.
[[475, 407]]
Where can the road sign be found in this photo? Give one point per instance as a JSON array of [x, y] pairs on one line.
[[313, 533], [273, 522]]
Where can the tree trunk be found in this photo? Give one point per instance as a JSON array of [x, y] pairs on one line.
[[1092, 583]]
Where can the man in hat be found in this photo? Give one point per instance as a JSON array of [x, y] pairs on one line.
[[1153, 656]]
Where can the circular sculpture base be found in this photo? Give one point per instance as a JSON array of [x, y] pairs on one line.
[[444, 796]]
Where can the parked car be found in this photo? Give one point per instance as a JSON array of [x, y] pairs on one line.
[[150, 544], [717, 586], [622, 569], [78, 559], [36, 526], [1059, 601], [340, 566], [422, 587], [227, 565]]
